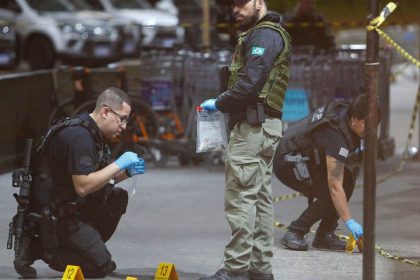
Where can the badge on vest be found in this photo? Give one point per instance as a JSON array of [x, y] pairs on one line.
[[318, 114], [343, 152], [257, 51]]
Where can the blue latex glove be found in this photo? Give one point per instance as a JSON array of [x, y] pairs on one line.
[[355, 228], [209, 104], [136, 168], [126, 160]]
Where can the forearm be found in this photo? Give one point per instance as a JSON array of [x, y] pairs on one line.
[[86, 184], [338, 197], [335, 173]]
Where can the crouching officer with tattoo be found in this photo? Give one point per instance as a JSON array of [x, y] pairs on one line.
[[258, 77], [74, 206], [317, 157]]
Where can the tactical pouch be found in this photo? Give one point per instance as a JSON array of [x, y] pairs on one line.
[[224, 78], [48, 229], [255, 114]]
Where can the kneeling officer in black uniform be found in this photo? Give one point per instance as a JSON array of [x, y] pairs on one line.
[[73, 196], [317, 157]]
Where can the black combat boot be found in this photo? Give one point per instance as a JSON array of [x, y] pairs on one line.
[[295, 241], [260, 276], [328, 241], [22, 263], [223, 274]]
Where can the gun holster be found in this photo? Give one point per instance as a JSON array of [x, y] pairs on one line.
[[255, 114], [301, 168]]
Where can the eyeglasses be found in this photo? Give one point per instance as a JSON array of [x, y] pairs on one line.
[[121, 119]]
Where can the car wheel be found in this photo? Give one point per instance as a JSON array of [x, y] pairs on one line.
[[40, 53]]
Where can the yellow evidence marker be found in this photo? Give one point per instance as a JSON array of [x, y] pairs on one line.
[[352, 242], [73, 272], [131, 278], [166, 271]]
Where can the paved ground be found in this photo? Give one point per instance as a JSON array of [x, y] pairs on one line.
[[176, 215]]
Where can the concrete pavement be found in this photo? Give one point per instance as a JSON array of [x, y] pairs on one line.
[[176, 215]]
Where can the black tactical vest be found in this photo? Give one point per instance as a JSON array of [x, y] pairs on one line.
[[298, 136], [42, 184]]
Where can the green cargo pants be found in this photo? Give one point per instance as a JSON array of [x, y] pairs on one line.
[[248, 199]]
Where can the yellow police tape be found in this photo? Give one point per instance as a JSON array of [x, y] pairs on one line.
[[376, 22], [378, 249]]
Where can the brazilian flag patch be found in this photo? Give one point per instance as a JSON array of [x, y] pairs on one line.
[[257, 51]]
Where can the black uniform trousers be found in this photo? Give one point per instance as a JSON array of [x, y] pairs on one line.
[[82, 236], [322, 208]]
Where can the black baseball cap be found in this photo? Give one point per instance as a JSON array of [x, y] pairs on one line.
[[239, 2]]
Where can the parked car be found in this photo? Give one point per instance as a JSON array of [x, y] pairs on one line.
[[160, 29], [129, 30], [168, 6], [7, 45], [48, 31]]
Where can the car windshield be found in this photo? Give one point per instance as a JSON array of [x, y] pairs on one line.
[[50, 5], [131, 4], [91, 5]]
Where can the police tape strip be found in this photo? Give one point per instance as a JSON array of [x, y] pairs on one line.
[[376, 23], [287, 197], [385, 254], [378, 249]]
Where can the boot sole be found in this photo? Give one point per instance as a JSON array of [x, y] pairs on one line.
[[293, 247], [318, 247]]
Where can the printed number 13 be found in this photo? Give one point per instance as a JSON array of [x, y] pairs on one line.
[[164, 270]]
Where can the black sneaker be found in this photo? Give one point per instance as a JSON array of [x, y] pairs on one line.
[[294, 241], [260, 276], [328, 241], [223, 274]]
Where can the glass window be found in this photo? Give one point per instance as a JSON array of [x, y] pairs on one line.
[[10, 5], [91, 5], [50, 5], [131, 4]]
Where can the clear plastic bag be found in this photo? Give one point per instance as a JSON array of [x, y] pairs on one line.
[[211, 131]]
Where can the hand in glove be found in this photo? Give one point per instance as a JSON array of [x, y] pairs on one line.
[[136, 168], [209, 104], [127, 160], [355, 228]]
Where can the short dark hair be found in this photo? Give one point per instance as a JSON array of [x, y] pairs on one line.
[[242, 2], [359, 108], [113, 97]]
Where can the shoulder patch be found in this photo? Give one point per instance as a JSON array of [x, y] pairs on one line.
[[258, 51], [343, 152]]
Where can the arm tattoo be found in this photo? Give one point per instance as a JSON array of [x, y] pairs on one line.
[[337, 170]]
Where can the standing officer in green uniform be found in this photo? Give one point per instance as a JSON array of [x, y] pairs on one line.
[[258, 77]]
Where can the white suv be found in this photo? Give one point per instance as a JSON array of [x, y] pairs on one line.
[[48, 30], [160, 28], [129, 30]]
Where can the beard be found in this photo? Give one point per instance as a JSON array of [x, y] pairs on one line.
[[246, 23]]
